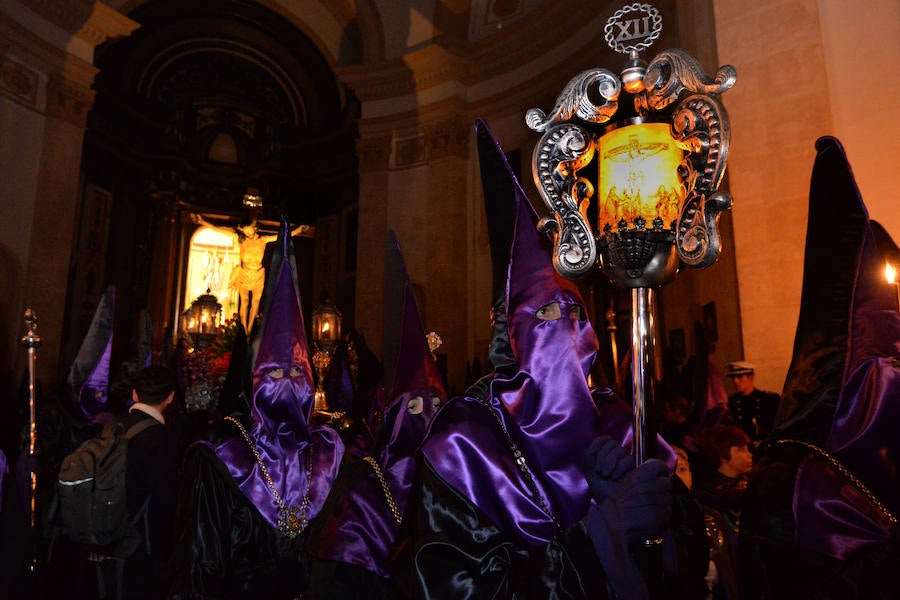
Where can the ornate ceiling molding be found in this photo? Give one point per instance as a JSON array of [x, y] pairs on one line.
[[504, 61]]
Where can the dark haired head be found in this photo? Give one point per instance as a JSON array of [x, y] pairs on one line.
[[153, 384], [717, 441]]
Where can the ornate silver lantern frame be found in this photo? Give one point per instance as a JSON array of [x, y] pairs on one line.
[[645, 251]]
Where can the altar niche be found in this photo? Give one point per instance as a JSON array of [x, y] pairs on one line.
[[228, 262], [212, 258]]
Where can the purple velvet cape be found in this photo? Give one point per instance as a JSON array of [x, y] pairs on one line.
[[362, 530], [281, 411], [831, 515]]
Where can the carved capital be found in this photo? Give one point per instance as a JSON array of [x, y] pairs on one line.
[[68, 101], [89, 20]]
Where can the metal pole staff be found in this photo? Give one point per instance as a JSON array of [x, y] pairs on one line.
[[641, 365], [32, 341]]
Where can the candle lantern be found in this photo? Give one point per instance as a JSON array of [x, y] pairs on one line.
[[326, 333], [659, 164], [203, 319]]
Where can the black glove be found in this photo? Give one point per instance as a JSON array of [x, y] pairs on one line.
[[636, 507], [639, 505], [604, 463]]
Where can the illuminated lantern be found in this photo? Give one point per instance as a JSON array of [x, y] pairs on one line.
[[659, 169]]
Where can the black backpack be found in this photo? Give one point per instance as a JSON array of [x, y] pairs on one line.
[[91, 503]]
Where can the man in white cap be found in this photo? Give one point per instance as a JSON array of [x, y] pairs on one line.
[[753, 409]]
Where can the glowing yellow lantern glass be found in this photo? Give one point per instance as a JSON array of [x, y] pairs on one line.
[[326, 327], [639, 176]]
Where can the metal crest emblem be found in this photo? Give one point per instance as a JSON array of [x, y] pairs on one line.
[[633, 28]]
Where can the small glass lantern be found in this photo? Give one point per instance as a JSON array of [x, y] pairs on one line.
[[326, 325], [326, 332], [203, 319]]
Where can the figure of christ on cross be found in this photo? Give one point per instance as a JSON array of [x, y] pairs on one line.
[[249, 277]]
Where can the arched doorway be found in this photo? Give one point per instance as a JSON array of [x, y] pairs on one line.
[[202, 103]]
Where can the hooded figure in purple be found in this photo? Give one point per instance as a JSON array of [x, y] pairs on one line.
[[508, 504], [824, 495], [361, 523], [249, 501], [88, 378]]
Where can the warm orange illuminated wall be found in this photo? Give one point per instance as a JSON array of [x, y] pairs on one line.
[[861, 43], [805, 69]]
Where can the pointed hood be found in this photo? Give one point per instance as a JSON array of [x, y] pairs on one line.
[[145, 339], [500, 192], [415, 379], [554, 346], [282, 403], [542, 401], [363, 527], [338, 384], [89, 376], [843, 386], [236, 393]]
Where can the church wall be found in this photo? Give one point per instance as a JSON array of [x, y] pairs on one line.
[[45, 57], [20, 161], [374, 151], [861, 49], [778, 109]]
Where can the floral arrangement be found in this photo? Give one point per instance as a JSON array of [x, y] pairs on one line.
[[204, 368]]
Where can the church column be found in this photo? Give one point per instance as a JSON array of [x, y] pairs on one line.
[[373, 149], [414, 180]]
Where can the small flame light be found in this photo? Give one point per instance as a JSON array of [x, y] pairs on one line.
[[890, 274], [326, 325]]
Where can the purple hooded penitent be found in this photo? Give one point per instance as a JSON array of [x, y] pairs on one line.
[[89, 376], [842, 392], [282, 403], [544, 403], [362, 529]]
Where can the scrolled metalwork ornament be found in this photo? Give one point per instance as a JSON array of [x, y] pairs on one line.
[[674, 71], [576, 100], [562, 152], [701, 124]]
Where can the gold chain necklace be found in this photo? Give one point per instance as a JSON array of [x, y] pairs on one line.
[[384, 488], [291, 520]]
